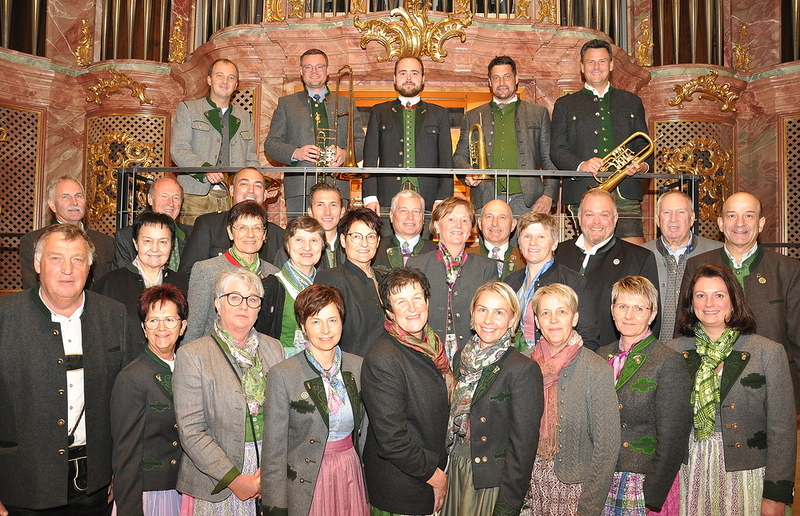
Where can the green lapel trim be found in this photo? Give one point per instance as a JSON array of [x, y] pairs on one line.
[[179, 234], [692, 361], [488, 376], [212, 115], [418, 248], [355, 401], [733, 367], [162, 379], [635, 360], [316, 391], [395, 254]]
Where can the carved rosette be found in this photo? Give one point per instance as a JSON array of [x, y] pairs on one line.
[[108, 87], [703, 157], [177, 42], [547, 11], [644, 44], [414, 34], [83, 52], [708, 89], [116, 149]]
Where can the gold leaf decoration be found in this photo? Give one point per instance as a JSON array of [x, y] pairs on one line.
[[644, 44], [708, 89], [703, 157], [177, 42], [357, 6], [116, 149], [298, 8], [83, 54], [547, 10], [272, 11], [108, 87], [741, 52], [414, 34]]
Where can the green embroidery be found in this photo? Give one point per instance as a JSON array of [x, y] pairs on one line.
[[500, 397], [159, 406], [164, 381], [503, 509], [759, 440], [151, 463], [754, 380], [646, 445], [644, 385], [302, 406], [290, 473], [501, 455]]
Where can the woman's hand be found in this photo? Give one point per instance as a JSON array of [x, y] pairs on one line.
[[772, 508], [3, 511], [247, 487], [439, 483]]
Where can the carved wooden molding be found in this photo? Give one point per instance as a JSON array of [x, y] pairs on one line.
[[177, 43], [547, 10], [272, 11], [741, 52], [414, 35], [708, 89], [83, 53], [644, 44], [108, 87]]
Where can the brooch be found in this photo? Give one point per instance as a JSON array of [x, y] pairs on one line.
[[761, 279]]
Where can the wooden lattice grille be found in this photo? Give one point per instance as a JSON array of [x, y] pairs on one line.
[[791, 170], [245, 99], [677, 133], [150, 129], [19, 155]]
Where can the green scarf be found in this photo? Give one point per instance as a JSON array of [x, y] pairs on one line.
[[705, 394], [254, 381], [252, 267]]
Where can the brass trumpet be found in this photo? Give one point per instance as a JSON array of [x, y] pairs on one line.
[[350, 156], [477, 151], [621, 158], [325, 139]]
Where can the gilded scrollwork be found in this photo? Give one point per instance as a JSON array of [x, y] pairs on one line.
[[357, 6], [414, 34], [708, 89], [83, 52], [741, 52], [644, 44], [297, 8], [116, 149], [547, 10], [107, 87], [272, 11], [703, 157], [177, 42]]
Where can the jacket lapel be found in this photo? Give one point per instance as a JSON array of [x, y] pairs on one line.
[[635, 360], [316, 391], [355, 400], [488, 376], [732, 368], [398, 116]]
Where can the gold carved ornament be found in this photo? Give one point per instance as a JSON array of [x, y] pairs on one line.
[[298, 8], [708, 89], [741, 52], [116, 149], [703, 157], [414, 35], [547, 10], [107, 87], [177, 43], [357, 6], [272, 11], [83, 54], [644, 44]]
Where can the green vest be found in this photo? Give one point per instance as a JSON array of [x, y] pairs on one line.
[[505, 152]]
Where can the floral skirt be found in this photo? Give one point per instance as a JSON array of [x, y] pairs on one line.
[[232, 506], [548, 496]]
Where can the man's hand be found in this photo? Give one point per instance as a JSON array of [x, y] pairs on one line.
[[439, 483], [307, 153], [772, 508], [247, 487], [636, 168], [543, 204], [3, 511], [110, 492], [374, 206], [472, 180], [338, 161], [215, 177], [591, 165]]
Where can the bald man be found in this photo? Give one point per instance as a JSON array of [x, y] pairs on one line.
[[496, 224], [771, 281]]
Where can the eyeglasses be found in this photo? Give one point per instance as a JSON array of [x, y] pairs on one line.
[[318, 68], [358, 237], [247, 229], [169, 322], [235, 299], [639, 312]]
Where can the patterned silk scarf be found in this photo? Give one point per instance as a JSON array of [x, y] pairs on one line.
[[617, 362], [473, 361], [294, 279], [452, 265], [336, 389], [551, 366], [705, 393], [237, 260], [254, 382], [430, 346]]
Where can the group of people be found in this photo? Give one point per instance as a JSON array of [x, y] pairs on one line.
[[349, 364]]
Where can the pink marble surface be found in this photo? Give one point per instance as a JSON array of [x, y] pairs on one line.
[[763, 22], [64, 29]]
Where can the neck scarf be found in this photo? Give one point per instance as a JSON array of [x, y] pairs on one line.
[[705, 393], [430, 345], [294, 279], [525, 295], [452, 264], [473, 361], [254, 381], [235, 258], [551, 367], [617, 362], [159, 280], [336, 389]]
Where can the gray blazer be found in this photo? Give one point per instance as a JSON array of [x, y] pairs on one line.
[[476, 271], [202, 312], [196, 142], [211, 412], [296, 431], [533, 151], [757, 409], [590, 431]]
